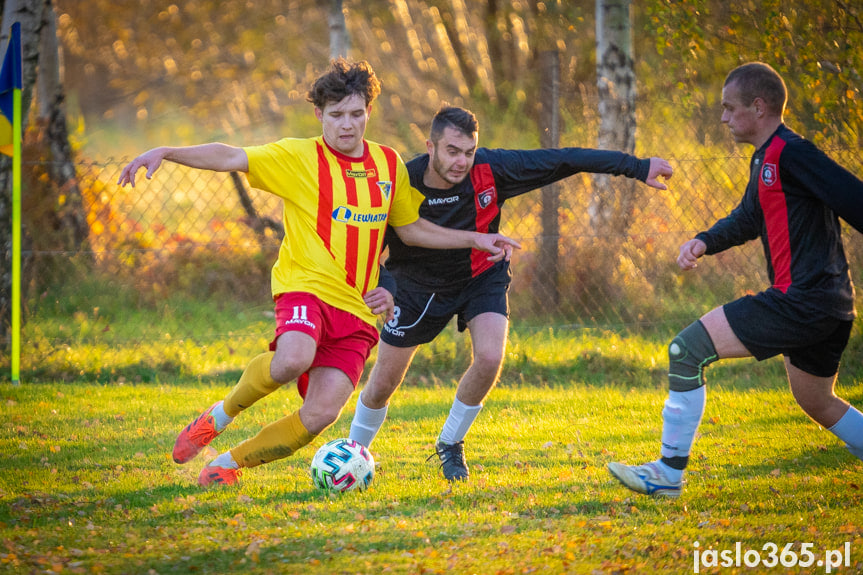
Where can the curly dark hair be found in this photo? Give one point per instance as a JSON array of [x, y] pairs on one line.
[[453, 117], [344, 79]]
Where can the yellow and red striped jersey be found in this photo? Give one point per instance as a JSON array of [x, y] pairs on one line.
[[336, 210]]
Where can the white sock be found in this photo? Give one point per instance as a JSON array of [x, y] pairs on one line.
[[458, 422], [224, 460], [680, 419], [674, 475], [220, 418], [849, 429], [367, 422]]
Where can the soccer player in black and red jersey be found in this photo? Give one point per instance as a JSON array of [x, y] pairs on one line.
[[465, 188], [793, 202]]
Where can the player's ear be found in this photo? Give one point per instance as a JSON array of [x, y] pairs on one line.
[[758, 104], [430, 147], [319, 114]]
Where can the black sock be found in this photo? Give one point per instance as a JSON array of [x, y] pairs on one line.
[[677, 462]]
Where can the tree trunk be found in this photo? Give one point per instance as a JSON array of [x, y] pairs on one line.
[[339, 39], [71, 215], [545, 281], [498, 53], [255, 221], [465, 62], [611, 206], [29, 14]]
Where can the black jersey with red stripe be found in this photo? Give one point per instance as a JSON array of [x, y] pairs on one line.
[[793, 201], [475, 204]]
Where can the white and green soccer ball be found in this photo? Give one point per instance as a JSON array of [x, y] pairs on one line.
[[342, 465]]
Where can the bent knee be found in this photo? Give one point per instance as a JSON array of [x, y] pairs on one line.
[[318, 419], [376, 393], [820, 407], [688, 354], [489, 362], [286, 369]]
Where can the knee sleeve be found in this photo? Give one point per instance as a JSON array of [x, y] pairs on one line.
[[688, 354]]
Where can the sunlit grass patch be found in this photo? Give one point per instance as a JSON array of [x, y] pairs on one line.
[[88, 485]]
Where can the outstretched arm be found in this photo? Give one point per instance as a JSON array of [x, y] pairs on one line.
[[658, 168], [426, 234], [217, 157]]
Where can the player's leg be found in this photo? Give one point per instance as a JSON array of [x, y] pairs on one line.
[[294, 353], [695, 348], [488, 332], [692, 350], [389, 371], [815, 395], [263, 375], [812, 377], [419, 317], [344, 344], [328, 392]]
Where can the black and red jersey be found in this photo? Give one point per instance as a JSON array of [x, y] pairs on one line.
[[793, 201], [475, 204]]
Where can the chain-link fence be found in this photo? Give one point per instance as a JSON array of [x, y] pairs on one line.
[[186, 257]]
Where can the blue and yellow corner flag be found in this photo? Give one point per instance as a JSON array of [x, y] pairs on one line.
[[10, 144], [10, 81]]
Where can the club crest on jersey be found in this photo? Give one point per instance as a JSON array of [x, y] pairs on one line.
[[386, 188], [768, 174], [485, 198]]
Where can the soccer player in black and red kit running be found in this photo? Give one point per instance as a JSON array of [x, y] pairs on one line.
[[465, 188], [793, 202]]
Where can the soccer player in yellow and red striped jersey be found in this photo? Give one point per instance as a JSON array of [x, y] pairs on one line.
[[340, 191]]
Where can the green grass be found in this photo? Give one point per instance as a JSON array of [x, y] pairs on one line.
[[88, 486]]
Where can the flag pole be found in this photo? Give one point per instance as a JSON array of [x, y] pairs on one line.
[[15, 63], [16, 238]]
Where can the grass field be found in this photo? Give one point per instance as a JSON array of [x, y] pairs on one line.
[[87, 483]]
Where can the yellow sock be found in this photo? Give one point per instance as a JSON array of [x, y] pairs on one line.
[[254, 384], [275, 441]]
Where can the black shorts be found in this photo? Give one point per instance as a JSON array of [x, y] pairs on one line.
[[420, 315], [768, 324]]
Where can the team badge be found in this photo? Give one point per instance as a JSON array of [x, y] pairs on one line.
[[386, 188], [768, 174], [485, 198]]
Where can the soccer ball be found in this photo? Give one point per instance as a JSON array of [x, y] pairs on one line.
[[342, 465]]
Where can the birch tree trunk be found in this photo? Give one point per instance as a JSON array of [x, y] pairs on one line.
[[339, 40], [71, 215], [29, 14], [611, 206]]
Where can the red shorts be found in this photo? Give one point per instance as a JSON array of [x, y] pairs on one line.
[[343, 340]]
